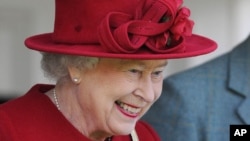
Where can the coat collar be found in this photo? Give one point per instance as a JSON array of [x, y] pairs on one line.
[[239, 76]]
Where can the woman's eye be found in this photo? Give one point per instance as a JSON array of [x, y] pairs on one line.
[[134, 70], [157, 73], [134, 74]]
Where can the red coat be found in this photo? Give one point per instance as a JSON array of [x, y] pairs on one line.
[[33, 117]]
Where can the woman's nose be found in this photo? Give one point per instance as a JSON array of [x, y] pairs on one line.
[[146, 89]]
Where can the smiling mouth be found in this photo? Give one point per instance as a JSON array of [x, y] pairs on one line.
[[127, 109]]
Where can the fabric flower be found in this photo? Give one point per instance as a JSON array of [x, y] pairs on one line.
[[182, 24]]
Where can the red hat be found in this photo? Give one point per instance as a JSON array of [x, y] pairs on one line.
[[133, 29]]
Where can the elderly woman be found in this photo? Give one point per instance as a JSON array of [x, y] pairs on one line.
[[107, 58]]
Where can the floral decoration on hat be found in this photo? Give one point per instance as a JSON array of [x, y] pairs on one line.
[[158, 26]]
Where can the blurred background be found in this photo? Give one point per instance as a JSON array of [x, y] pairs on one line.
[[225, 21]]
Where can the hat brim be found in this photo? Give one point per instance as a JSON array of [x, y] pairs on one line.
[[195, 45]]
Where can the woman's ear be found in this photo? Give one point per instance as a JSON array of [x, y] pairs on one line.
[[75, 74]]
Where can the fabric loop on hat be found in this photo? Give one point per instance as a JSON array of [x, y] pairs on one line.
[[123, 33], [132, 42], [155, 46], [106, 34]]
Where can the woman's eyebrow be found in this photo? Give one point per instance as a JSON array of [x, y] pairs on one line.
[[141, 64]]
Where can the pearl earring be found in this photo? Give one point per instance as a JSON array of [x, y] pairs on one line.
[[75, 80]]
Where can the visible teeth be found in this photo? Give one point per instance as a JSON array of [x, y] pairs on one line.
[[128, 108]]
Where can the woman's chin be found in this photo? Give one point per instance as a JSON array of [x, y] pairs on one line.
[[122, 129]]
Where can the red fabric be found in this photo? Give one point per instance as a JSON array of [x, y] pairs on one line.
[[33, 117]]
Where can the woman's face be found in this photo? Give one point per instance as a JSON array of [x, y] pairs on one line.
[[117, 92]]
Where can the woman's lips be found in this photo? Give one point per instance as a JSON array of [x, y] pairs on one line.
[[128, 110]]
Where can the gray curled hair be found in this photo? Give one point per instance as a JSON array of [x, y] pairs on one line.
[[55, 66]]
